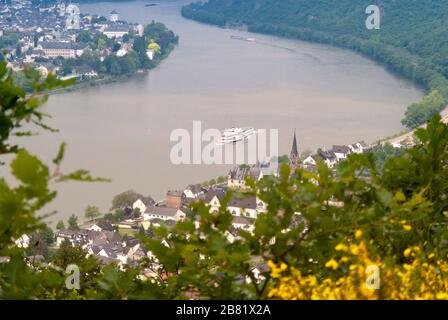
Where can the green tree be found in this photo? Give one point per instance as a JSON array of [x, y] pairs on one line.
[[419, 113], [115, 68], [48, 236], [101, 43], [84, 36], [125, 199], [92, 212], [60, 225], [72, 222], [31, 190]]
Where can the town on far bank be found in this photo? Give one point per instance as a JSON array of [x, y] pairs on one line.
[[114, 237], [60, 39]]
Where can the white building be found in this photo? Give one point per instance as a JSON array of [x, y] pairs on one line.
[[116, 30], [163, 213], [359, 147], [121, 53], [113, 16], [143, 203], [67, 50], [341, 152], [249, 207]]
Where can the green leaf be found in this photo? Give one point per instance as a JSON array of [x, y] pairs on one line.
[[29, 169], [60, 155]]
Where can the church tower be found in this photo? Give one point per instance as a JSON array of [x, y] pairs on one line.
[[294, 155]]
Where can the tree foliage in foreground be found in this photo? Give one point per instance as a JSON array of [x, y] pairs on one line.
[[319, 234]]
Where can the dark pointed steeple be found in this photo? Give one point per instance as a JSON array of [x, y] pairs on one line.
[[294, 155]]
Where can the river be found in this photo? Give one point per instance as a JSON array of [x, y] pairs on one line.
[[121, 131]]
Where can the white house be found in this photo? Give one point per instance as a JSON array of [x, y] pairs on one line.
[[140, 30], [143, 203], [359, 147], [328, 157], [163, 213], [96, 228], [213, 198], [311, 160], [243, 223], [341, 152], [150, 54], [85, 71], [245, 207], [193, 191], [23, 241], [121, 52]]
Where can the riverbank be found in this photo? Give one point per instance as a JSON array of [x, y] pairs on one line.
[[96, 82]]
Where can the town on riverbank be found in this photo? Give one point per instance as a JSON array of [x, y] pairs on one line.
[[59, 39], [113, 237]]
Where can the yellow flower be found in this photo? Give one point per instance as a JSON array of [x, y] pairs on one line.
[[341, 247], [358, 234], [354, 250], [332, 264], [344, 259], [407, 252], [407, 227]]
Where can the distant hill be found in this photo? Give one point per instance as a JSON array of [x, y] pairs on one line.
[[412, 41]]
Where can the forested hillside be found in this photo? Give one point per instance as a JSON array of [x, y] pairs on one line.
[[412, 40]]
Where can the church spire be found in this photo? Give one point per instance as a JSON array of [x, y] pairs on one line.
[[294, 155]]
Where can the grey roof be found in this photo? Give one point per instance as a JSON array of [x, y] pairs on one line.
[[195, 188], [211, 193], [363, 144], [62, 45], [68, 232], [148, 201], [327, 155], [246, 203], [95, 249], [161, 211], [241, 220], [341, 149], [294, 151], [118, 28], [106, 226], [240, 173], [174, 193], [84, 69]]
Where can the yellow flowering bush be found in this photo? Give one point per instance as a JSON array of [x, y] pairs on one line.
[[353, 277]]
